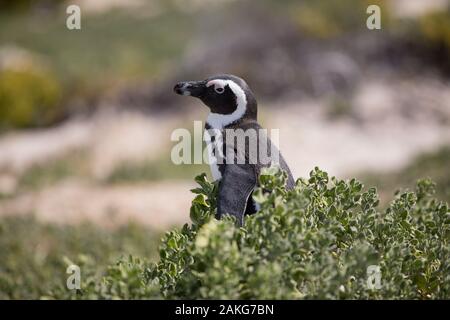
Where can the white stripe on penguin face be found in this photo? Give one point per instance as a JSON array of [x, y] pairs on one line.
[[217, 120]]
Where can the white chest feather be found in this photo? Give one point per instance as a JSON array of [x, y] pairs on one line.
[[215, 172], [214, 148]]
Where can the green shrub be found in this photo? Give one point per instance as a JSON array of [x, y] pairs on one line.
[[316, 241], [28, 98], [123, 280], [34, 257]]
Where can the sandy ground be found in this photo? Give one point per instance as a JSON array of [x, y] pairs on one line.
[[159, 205], [411, 8], [394, 123], [110, 138]]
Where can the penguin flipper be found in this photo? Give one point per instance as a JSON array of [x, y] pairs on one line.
[[233, 196]]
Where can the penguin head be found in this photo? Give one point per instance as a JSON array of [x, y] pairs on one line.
[[228, 97]]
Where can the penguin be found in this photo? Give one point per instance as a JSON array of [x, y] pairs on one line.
[[233, 110]]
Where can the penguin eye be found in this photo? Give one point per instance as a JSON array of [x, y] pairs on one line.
[[219, 90]]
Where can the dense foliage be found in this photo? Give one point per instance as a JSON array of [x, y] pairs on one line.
[[28, 98], [316, 241], [34, 257]]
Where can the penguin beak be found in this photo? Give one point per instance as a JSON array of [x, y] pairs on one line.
[[190, 88]]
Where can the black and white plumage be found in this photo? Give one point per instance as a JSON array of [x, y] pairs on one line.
[[233, 106]]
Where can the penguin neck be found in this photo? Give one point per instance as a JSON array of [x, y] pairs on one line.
[[220, 121], [233, 124]]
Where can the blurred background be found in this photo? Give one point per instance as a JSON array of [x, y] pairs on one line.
[[86, 115]]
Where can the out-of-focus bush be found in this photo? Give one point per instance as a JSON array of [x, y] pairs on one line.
[[435, 27], [28, 98], [23, 5], [34, 257], [325, 19], [432, 165]]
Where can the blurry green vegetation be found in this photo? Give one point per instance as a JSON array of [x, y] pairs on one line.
[[435, 165], [75, 166], [110, 49], [160, 169], [123, 47], [328, 19], [55, 170], [28, 98], [25, 5], [34, 255], [339, 107], [110, 46], [435, 27]]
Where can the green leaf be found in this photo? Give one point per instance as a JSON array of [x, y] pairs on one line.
[[201, 200]]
